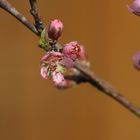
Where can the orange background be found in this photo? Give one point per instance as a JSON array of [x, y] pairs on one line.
[[32, 109]]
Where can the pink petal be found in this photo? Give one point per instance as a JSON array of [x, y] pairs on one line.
[[58, 78], [44, 72]]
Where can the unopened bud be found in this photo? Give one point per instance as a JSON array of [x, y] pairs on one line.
[[55, 29]]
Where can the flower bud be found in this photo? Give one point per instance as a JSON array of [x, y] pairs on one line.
[[55, 29], [72, 50], [136, 60], [135, 7]]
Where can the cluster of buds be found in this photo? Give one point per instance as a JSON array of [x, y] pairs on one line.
[[135, 7], [56, 63]]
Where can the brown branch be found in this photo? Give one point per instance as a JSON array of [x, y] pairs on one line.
[[106, 88], [34, 11], [86, 75], [12, 10]]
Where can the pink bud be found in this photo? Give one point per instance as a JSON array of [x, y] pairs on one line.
[[58, 78], [136, 60], [55, 29], [135, 7], [72, 50]]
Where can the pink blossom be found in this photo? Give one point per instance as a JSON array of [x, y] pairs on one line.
[[50, 63], [135, 7], [75, 51], [72, 50], [55, 29]]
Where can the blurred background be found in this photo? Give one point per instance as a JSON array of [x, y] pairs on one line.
[[32, 109]]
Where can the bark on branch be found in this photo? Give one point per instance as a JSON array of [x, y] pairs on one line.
[[12, 10], [34, 11]]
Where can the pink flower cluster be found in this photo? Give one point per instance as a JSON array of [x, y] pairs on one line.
[[55, 63]]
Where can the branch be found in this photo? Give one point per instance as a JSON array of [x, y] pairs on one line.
[[106, 88], [86, 75], [34, 11], [12, 10]]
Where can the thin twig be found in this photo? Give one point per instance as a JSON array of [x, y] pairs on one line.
[[86, 75], [12, 10], [34, 11]]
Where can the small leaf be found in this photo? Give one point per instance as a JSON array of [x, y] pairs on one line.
[[43, 34], [43, 42]]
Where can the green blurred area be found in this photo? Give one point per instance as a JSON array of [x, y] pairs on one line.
[[32, 109]]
